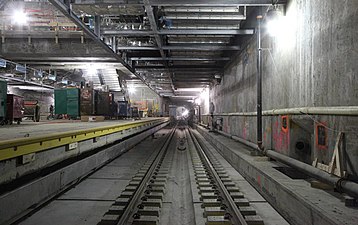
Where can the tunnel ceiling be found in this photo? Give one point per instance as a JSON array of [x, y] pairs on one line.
[[167, 44]]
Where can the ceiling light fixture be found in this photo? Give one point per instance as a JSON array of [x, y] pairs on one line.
[[19, 17], [131, 89]]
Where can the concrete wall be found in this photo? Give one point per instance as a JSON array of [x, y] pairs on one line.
[[313, 63]]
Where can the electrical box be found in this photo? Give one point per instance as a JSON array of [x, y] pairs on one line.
[[28, 158], [284, 123], [321, 136]]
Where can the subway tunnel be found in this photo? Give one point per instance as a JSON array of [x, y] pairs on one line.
[[178, 112]]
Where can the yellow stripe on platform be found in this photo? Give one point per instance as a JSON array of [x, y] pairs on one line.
[[22, 146]]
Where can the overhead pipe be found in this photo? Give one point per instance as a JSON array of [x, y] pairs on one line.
[[206, 17], [241, 140], [27, 82], [259, 84]]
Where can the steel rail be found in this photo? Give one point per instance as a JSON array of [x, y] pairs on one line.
[[160, 155], [237, 217], [23, 146]]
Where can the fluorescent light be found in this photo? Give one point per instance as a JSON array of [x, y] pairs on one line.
[[91, 70], [281, 27], [19, 17], [204, 94], [185, 113], [131, 90], [275, 20], [189, 89]]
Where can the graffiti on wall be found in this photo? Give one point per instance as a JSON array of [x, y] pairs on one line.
[[281, 134]]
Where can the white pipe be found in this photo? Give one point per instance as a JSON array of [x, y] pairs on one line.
[[335, 110]]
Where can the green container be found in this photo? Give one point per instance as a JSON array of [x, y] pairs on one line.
[[3, 99], [67, 101], [61, 101], [73, 102]]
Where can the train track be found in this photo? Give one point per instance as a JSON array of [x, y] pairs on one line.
[[222, 200], [142, 200], [173, 178]]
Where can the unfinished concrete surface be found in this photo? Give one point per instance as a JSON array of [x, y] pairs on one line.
[[87, 202], [35, 129], [311, 63], [293, 197], [11, 169], [174, 58], [48, 186]]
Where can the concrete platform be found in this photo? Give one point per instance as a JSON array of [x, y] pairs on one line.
[[33, 129], [45, 187], [295, 199]]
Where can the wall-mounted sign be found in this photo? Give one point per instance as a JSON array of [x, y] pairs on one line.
[[321, 136], [38, 73], [21, 69], [2, 63], [52, 77]]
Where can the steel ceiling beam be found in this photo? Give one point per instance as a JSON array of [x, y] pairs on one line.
[[178, 32], [26, 82], [3, 3], [192, 82], [214, 2], [43, 34], [203, 75], [144, 48], [158, 39], [206, 17], [181, 69], [107, 32], [195, 73], [192, 79], [202, 10], [176, 67], [207, 32], [181, 2], [153, 24], [197, 47], [179, 59], [66, 10]]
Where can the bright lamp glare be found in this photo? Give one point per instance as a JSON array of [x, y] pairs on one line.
[[131, 90], [185, 113], [204, 94], [283, 28], [198, 101], [91, 70], [19, 17], [275, 27]]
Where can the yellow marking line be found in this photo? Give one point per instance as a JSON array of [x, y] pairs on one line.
[[22, 146]]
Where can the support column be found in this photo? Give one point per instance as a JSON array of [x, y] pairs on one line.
[[259, 83]]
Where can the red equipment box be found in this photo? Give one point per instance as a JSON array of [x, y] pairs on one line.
[[15, 108]]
